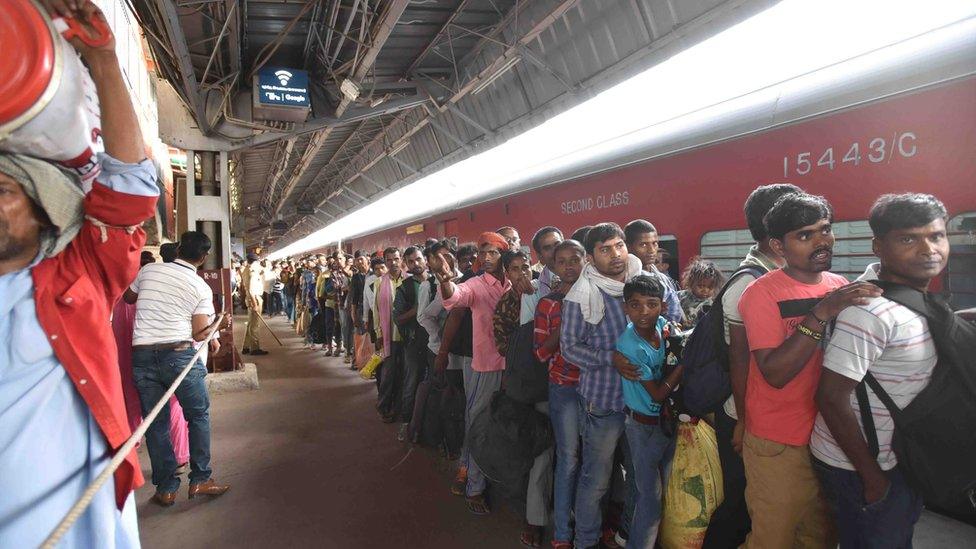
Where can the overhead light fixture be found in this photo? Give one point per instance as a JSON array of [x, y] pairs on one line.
[[349, 89], [398, 148], [497, 74]]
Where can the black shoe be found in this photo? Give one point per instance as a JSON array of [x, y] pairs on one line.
[[259, 352], [245, 351]]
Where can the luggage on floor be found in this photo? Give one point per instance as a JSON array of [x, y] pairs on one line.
[[369, 370], [694, 487], [506, 437], [364, 349]]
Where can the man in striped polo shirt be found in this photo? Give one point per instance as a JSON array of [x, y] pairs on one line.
[[871, 502], [174, 309]]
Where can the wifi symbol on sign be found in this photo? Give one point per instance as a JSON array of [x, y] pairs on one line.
[[283, 77]]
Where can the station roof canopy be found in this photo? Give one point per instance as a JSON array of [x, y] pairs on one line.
[[399, 88]]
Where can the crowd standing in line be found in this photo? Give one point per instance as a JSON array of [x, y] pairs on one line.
[[582, 350], [604, 318]]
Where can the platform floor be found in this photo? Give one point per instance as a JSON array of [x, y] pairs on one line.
[[311, 465]]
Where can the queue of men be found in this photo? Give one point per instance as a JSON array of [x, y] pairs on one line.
[[794, 457], [808, 454]]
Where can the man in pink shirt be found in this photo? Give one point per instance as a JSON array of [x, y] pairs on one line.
[[480, 294]]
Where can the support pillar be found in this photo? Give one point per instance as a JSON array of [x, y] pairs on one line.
[[206, 200], [205, 197]]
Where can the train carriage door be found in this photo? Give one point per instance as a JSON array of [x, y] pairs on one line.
[[961, 273], [447, 228]]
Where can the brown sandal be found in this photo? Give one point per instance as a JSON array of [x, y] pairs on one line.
[[478, 505]]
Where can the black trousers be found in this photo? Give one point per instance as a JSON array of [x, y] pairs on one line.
[[730, 522], [391, 380]]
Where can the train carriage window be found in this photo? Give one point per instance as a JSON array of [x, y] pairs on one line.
[[852, 248], [669, 244], [961, 279]]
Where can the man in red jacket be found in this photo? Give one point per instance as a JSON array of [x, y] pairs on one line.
[[65, 258]]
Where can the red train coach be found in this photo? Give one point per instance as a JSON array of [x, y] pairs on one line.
[[905, 121]]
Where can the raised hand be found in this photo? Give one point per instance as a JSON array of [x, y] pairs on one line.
[[442, 265], [91, 21]]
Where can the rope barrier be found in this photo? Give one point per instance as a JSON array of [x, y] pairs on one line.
[[86, 498]]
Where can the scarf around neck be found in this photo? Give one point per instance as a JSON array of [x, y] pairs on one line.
[[586, 290]]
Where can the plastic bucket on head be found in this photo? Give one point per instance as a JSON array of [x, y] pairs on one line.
[[48, 102]]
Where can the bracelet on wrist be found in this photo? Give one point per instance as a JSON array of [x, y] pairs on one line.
[[816, 336]]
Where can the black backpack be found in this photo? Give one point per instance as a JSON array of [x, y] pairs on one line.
[[705, 383], [935, 435], [526, 378]]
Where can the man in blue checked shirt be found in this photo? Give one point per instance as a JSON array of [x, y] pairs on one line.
[[592, 320]]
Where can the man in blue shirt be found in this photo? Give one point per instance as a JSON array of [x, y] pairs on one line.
[[592, 320], [644, 344]]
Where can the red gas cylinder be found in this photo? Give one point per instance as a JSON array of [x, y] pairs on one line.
[[48, 104]]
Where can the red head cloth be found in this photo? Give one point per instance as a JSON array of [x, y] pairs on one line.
[[494, 239]]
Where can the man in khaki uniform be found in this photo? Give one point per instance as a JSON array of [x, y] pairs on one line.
[[253, 279]]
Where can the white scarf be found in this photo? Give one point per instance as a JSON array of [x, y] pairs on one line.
[[586, 290]]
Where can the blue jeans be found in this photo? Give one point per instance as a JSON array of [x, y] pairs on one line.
[[153, 372], [290, 306], [601, 432], [277, 305], [651, 451], [345, 321], [328, 325], [565, 414], [886, 523]]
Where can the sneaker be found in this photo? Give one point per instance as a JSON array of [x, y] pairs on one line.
[[259, 352], [348, 359], [402, 432]]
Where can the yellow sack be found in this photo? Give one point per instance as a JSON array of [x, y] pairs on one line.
[[694, 488], [369, 370]]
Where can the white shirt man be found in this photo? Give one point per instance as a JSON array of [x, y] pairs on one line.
[[169, 295]]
